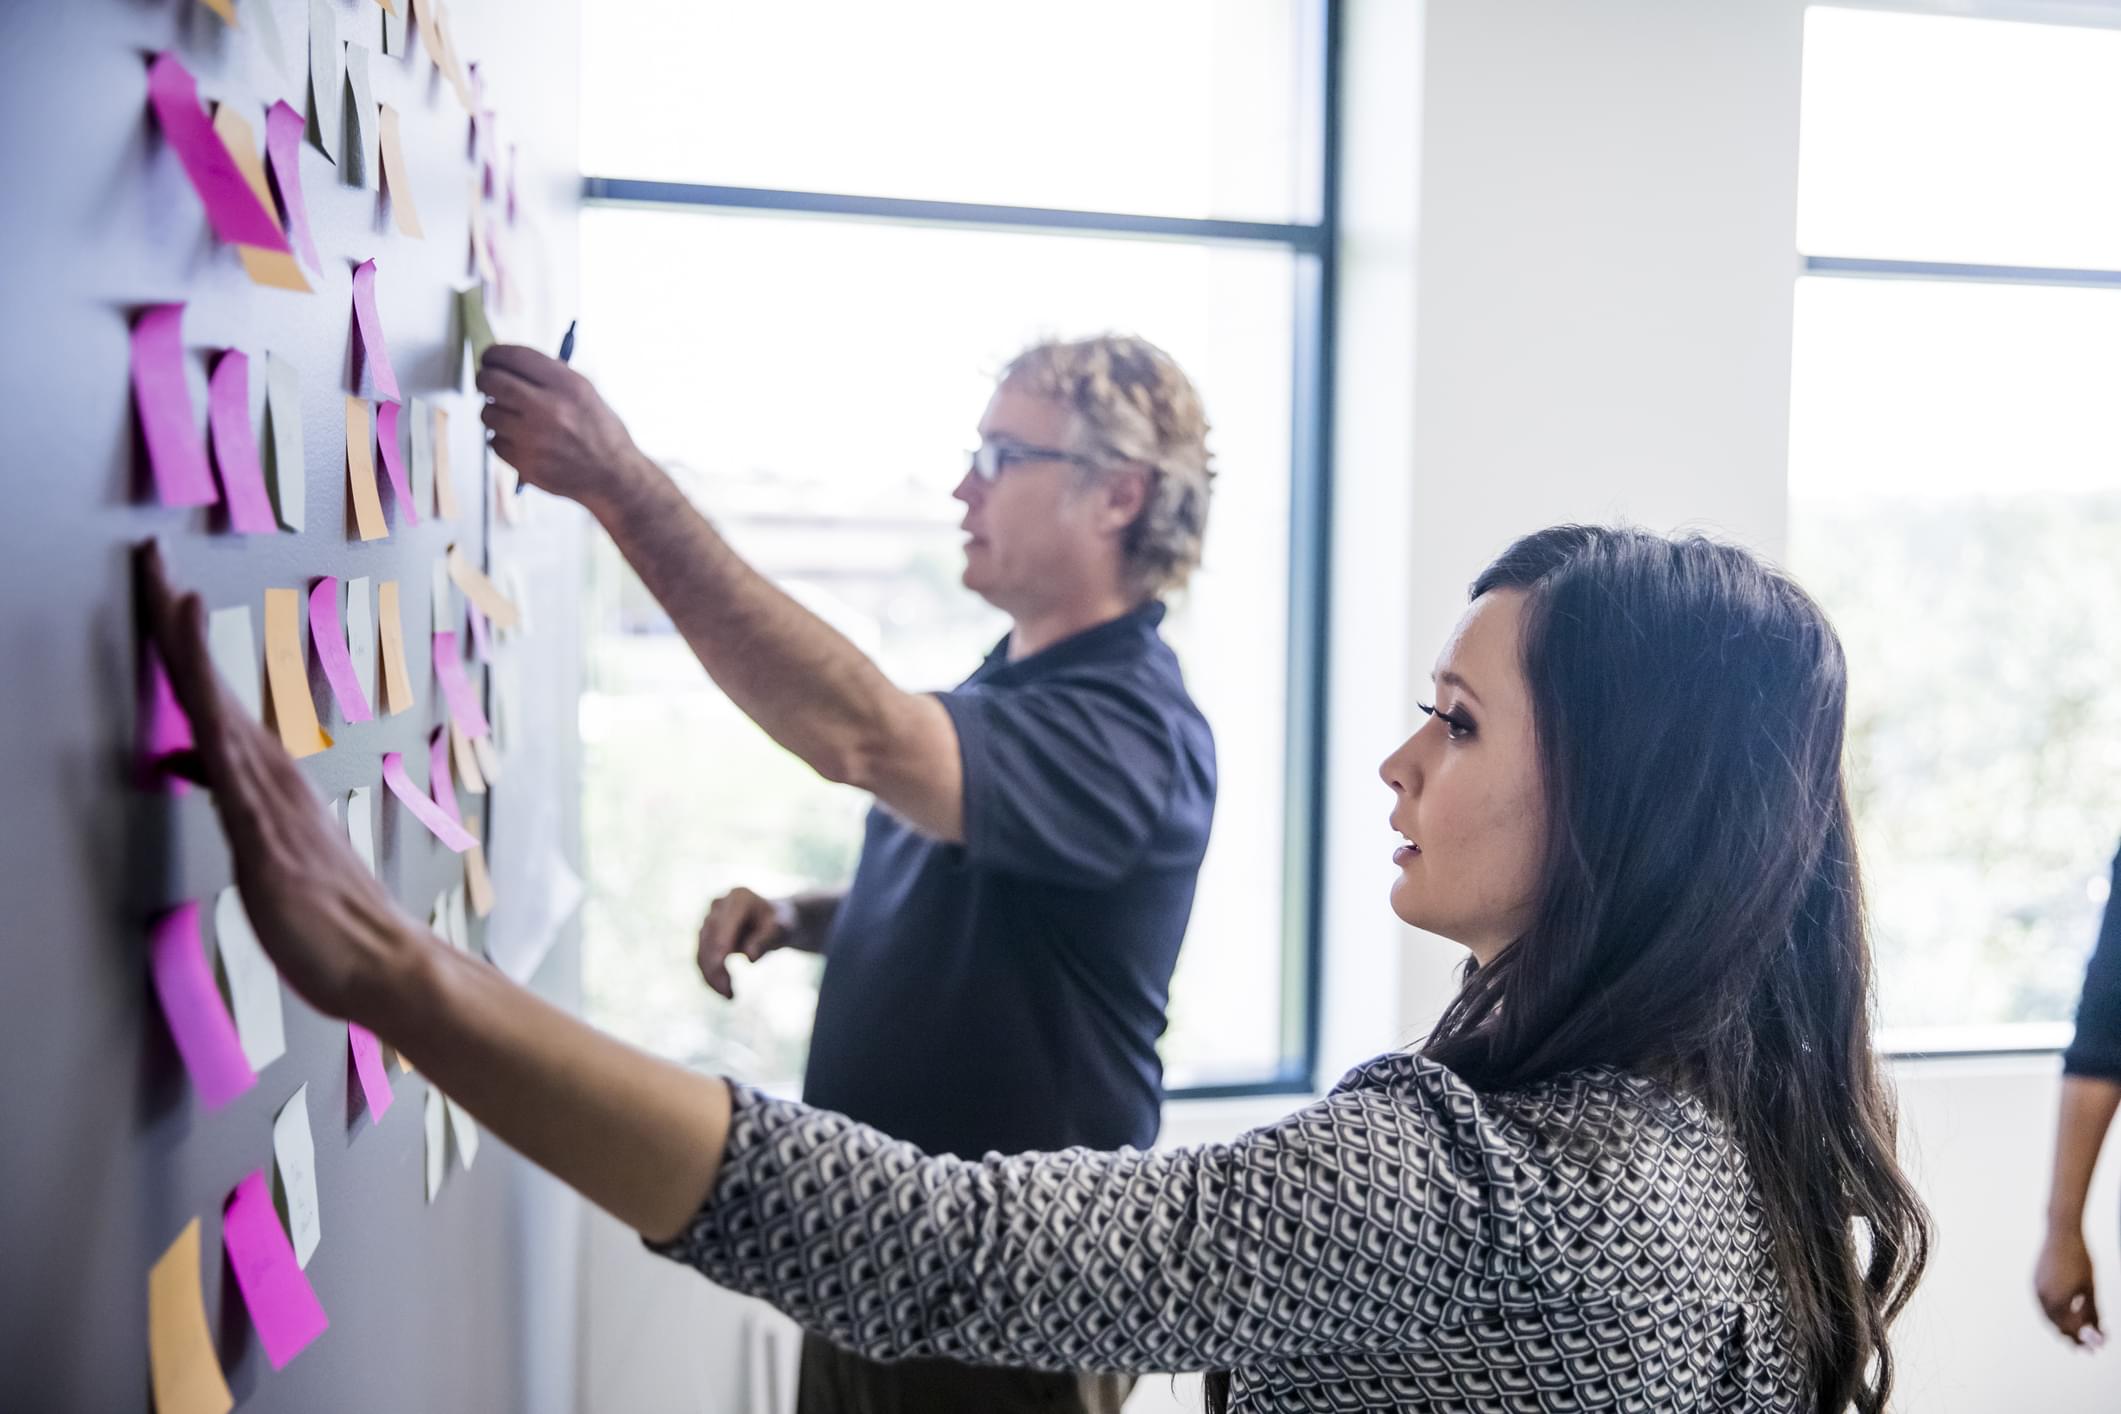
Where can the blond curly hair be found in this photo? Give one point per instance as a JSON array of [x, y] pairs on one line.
[[1133, 405]]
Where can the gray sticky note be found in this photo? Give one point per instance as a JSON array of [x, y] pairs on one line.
[[283, 409], [359, 169], [327, 92], [423, 456], [234, 648], [253, 983]]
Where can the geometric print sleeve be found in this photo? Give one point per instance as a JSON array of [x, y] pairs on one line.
[[1358, 1224]]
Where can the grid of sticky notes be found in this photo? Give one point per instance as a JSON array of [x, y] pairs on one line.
[[324, 661]]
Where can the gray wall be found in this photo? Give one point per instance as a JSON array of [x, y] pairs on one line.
[[105, 1152]]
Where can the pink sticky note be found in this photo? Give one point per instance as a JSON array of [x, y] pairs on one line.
[[448, 831], [368, 1065], [438, 782], [164, 729], [191, 1003], [370, 328], [283, 148], [394, 461], [232, 207], [330, 642], [283, 1305], [236, 446], [175, 450], [480, 648], [463, 702]]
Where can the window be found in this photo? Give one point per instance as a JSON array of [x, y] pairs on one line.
[[803, 266], [1955, 494]]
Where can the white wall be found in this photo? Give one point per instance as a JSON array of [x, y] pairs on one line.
[[1568, 275]]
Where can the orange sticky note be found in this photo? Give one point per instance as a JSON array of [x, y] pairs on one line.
[[396, 178], [293, 709], [226, 9], [361, 471], [185, 1372], [467, 760], [482, 591], [445, 485], [476, 881], [397, 680], [267, 267]]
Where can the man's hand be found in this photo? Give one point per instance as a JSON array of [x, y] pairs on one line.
[[741, 922], [2063, 1281], [550, 424], [324, 920]]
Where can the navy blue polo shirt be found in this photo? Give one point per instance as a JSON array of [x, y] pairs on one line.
[[1006, 993]]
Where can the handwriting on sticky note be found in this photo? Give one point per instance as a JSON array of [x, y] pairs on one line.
[[175, 452], [253, 982], [397, 678], [191, 1004], [294, 711], [361, 472], [232, 207], [456, 688], [182, 1366], [295, 1155], [423, 809], [283, 1305], [236, 446]]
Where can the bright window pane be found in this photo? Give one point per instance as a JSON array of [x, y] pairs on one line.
[[817, 383], [1176, 107], [1938, 138], [1955, 488]]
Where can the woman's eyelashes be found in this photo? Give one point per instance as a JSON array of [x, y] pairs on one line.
[[1458, 726]]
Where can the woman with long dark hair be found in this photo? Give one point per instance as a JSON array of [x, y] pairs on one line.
[[1644, 1161]]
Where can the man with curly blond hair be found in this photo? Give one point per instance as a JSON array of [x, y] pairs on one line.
[[996, 975]]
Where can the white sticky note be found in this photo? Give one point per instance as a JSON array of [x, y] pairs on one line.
[[423, 456], [361, 823], [466, 1131], [489, 758], [361, 635], [445, 608], [268, 31], [437, 1142], [296, 1154], [393, 32], [362, 161], [459, 919], [234, 646], [327, 91], [283, 410], [253, 982]]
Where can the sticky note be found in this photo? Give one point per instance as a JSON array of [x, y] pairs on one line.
[[283, 414], [236, 446], [481, 243], [393, 32], [268, 32], [456, 688], [361, 472], [396, 180], [437, 1142], [175, 451], [295, 1154], [481, 647], [267, 265], [253, 982], [420, 424], [445, 484], [489, 757], [182, 1367], [448, 831], [442, 599], [234, 649], [294, 711], [283, 148], [438, 783], [368, 1066], [361, 634], [361, 823], [232, 207], [329, 640], [397, 679], [369, 326], [226, 9], [471, 307], [327, 91], [283, 1305], [164, 730], [467, 760], [478, 884], [481, 590], [459, 925], [191, 1003], [394, 462], [359, 169]]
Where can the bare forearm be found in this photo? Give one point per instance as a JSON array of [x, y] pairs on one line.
[[2088, 1105], [638, 1136], [812, 690]]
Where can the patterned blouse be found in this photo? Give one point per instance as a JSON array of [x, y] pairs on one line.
[[1590, 1243]]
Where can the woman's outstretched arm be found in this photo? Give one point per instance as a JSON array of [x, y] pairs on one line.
[[639, 1137]]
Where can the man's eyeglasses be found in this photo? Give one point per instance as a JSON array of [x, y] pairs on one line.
[[991, 459]]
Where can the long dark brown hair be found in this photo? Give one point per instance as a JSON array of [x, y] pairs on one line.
[[1700, 912]]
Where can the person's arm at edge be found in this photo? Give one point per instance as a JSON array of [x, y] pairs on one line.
[[2063, 1278]]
